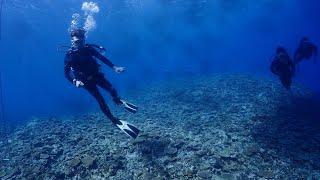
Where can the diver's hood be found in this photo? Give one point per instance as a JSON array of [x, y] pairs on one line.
[[78, 33]]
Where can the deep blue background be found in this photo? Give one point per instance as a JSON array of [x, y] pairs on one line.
[[154, 39]]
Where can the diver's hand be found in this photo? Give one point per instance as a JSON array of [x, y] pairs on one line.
[[118, 69], [77, 83]]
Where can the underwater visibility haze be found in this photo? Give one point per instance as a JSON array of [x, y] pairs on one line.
[[214, 89]]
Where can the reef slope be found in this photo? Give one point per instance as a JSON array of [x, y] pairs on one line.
[[219, 127]]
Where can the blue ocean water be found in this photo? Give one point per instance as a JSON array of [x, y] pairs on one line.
[[156, 40], [153, 39]]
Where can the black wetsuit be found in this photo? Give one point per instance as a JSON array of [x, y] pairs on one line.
[[283, 67], [305, 50], [81, 64]]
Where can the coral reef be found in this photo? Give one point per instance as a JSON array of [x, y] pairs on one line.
[[219, 127]]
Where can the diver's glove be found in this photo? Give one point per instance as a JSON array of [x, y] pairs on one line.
[[119, 69], [77, 83]]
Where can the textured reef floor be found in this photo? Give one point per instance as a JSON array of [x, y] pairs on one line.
[[220, 127]]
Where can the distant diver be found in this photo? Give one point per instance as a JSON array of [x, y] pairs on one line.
[[82, 69], [305, 50], [283, 66]]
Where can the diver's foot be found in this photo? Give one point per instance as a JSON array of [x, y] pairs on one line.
[[117, 101], [129, 129], [116, 121], [129, 106]]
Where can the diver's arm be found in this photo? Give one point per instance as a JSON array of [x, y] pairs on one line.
[[67, 73], [67, 69], [107, 61], [102, 58], [70, 76], [272, 67]]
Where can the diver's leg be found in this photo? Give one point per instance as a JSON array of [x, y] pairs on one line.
[[93, 90], [286, 79], [129, 129], [106, 85]]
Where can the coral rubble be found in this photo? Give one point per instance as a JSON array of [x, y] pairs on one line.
[[220, 127]]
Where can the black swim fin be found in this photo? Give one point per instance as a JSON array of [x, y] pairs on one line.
[[129, 129], [129, 107]]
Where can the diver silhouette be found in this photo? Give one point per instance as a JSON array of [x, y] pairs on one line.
[[305, 50], [83, 70], [283, 67]]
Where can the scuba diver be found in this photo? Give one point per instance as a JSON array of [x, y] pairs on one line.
[[283, 67], [305, 50], [82, 69]]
